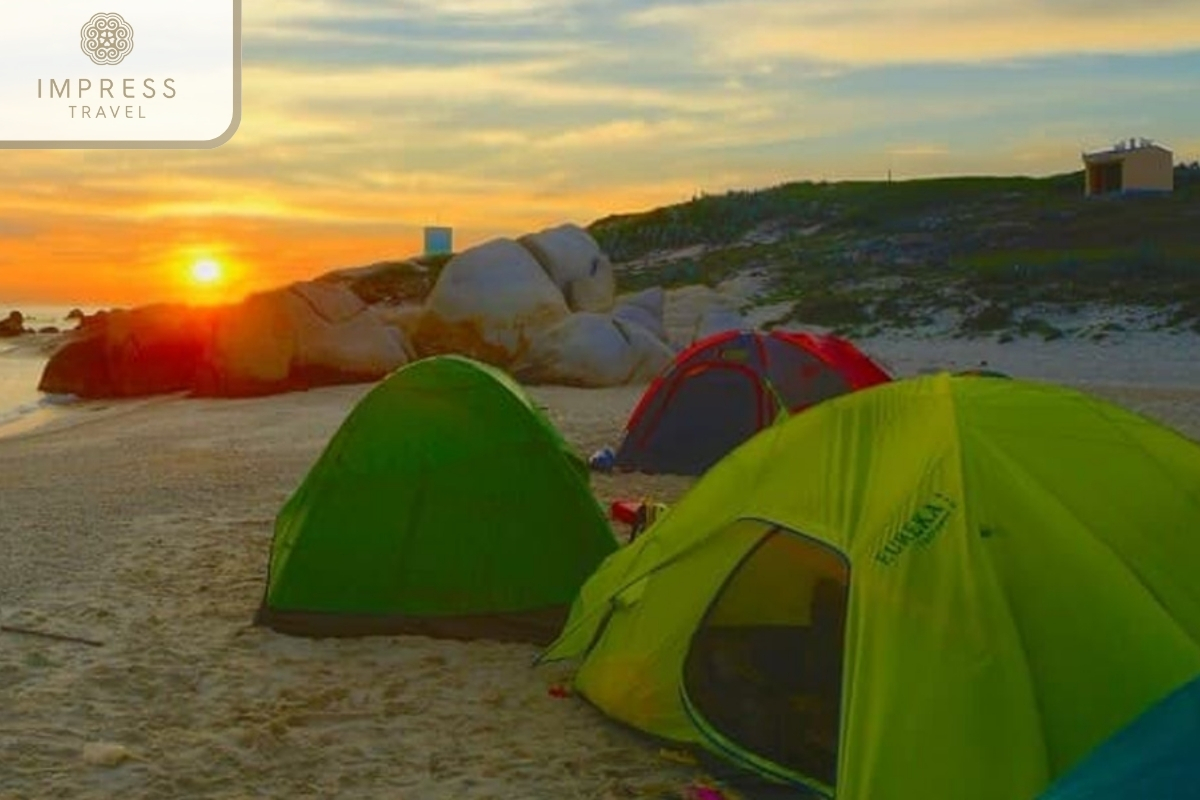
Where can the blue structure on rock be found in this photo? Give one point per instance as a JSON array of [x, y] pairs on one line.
[[439, 241]]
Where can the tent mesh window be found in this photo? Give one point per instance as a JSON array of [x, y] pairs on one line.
[[765, 665]]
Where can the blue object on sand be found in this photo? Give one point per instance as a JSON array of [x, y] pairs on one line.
[[603, 460]]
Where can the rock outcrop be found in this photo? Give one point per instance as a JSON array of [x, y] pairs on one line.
[[12, 325], [406, 319], [131, 353], [577, 265], [593, 350], [308, 334], [718, 319], [489, 303], [646, 308], [542, 306]]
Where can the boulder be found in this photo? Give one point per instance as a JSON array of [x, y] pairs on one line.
[[309, 334], [13, 325], [646, 308], [489, 302], [293, 338], [593, 350], [405, 319], [586, 294], [576, 264], [78, 367], [251, 348], [716, 319], [154, 349], [329, 302], [353, 349], [651, 354], [131, 353], [94, 320]]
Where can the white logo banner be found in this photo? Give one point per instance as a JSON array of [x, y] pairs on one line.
[[120, 74]]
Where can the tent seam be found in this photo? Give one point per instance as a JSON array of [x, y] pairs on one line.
[[969, 525]]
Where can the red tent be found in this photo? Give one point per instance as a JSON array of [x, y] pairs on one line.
[[723, 389]]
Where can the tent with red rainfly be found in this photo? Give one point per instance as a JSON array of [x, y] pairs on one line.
[[723, 389]]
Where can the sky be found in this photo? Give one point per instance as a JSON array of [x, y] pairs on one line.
[[365, 120]]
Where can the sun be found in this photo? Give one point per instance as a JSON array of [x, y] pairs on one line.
[[206, 272]]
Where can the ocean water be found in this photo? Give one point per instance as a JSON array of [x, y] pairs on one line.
[[21, 369]]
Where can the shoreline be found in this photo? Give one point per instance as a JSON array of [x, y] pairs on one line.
[[22, 407]]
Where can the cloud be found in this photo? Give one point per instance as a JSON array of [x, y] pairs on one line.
[[871, 32], [14, 228], [918, 150], [295, 15], [529, 84]]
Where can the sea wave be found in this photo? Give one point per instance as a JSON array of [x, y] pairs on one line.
[[21, 370], [19, 395], [9, 415], [32, 415]]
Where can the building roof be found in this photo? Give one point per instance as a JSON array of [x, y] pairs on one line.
[[1123, 149]]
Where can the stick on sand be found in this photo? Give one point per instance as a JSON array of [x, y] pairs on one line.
[[57, 636]]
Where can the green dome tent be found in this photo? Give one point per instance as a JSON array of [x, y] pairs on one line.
[[939, 588], [446, 505]]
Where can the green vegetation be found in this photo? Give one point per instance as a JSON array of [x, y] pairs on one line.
[[992, 317], [869, 256], [392, 282], [832, 309], [1032, 326]]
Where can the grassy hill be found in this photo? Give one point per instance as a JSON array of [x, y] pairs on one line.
[[983, 256]]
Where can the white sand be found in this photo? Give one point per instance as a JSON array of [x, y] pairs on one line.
[[148, 529], [147, 525]]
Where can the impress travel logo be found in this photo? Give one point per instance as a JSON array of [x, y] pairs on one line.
[[107, 39], [76, 76]]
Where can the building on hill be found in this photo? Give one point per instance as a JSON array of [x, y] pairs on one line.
[[1136, 165], [439, 241]]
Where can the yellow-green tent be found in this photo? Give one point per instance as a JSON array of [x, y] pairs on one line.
[[1015, 565]]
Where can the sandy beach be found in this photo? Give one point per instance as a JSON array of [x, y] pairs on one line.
[[147, 529], [145, 526]]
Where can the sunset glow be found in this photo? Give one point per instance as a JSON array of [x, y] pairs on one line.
[[364, 122]]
